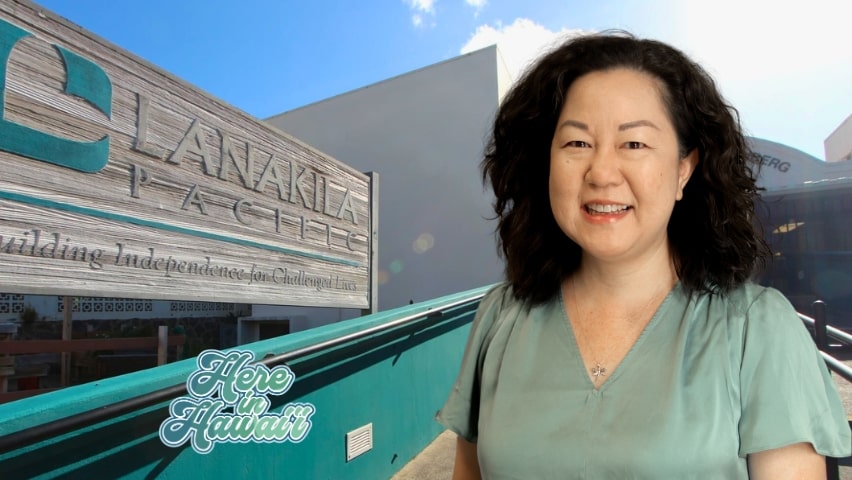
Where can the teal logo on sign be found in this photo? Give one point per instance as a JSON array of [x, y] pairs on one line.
[[84, 79], [228, 402]]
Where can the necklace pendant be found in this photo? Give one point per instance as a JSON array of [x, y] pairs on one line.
[[598, 371]]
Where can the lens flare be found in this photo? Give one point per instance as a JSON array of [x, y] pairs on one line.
[[423, 243], [396, 267]]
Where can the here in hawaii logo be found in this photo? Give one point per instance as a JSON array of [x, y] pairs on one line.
[[228, 402]]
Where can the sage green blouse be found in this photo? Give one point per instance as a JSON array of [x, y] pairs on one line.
[[711, 379]]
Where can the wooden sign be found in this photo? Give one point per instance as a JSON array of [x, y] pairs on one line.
[[119, 180]]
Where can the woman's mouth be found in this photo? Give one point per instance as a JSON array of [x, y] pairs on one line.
[[605, 209]]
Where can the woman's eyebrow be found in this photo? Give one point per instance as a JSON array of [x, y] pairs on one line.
[[637, 123], [573, 123], [621, 128]]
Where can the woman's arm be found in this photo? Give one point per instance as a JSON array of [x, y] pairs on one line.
[[793, 462], [467, 464]]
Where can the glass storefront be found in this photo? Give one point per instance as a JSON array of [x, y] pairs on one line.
[[810, 233]]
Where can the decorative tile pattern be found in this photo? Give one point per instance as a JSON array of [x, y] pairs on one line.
[[209, 307], [11, 303], [93, 304]]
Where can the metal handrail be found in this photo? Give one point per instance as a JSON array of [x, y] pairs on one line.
[[822, 331], [284, 357], [61, 426], [836, 333], [837, 366]]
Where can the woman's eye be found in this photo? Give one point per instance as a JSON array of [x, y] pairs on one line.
[[577, 144], [634, 145]]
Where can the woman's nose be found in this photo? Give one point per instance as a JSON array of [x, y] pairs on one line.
[[603, 169]]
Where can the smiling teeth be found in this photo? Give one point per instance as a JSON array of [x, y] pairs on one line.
[[597, 208]]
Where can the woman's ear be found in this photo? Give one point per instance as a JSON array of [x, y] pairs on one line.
[[685, 168]]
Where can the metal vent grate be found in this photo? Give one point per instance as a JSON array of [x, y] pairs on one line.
[[359, 441]]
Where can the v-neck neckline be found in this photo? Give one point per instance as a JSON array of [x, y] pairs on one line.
[[625, 362]]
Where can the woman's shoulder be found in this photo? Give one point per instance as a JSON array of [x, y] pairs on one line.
[[500, 293], [497, 301], [757, 319], [761, 307], [501, 309], [751, 297], [501, 300]]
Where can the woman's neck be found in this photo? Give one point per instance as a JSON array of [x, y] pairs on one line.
[[624, 286]]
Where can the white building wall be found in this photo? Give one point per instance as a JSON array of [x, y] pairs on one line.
[[786, 169], [504, 76], [838, 145], [424, 133]]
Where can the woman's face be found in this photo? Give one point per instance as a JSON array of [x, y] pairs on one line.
[[615, 172]]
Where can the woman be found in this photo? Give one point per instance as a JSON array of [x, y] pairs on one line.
[[627, 341]]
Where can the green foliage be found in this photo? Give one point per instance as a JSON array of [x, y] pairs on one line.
[[29, 315], [137, 331]]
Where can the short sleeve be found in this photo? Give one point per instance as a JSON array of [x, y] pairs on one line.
[[787, 394], [460, 412]]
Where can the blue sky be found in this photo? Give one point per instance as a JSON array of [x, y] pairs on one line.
[[787, 68]]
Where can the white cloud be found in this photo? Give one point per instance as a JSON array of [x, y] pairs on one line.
[[741, 35], [476, 4], [419, 9], [786, 67], [520, 43], [426, 6]]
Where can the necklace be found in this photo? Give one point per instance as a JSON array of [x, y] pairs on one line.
[[599, 370]]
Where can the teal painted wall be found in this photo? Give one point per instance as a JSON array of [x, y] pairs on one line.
[[395, 380]]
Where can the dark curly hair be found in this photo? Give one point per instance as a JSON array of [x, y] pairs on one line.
[[713, 234]]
